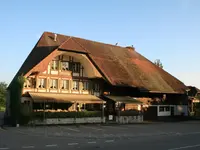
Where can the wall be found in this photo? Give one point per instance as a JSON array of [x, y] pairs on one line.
[[178, 110], [70, 120], [129, 119], [165, 112], [89, 71]]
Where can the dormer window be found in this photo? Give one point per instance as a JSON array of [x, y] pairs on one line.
[[54, 65], [54, 83], [65, 65], [41, 83]]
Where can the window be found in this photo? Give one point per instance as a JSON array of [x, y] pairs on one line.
[[96, 87], [161, 109], [75, 85], [65, 65], [27, 83], [76, 67], [167, 108], [86, 85], [65, 84], [42, 83], [54, 84], [54, 65]]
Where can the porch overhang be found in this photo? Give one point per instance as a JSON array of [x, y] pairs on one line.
[[64, 98], [124, 99]]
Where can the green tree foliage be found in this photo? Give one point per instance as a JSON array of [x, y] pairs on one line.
[[15, 98], [198, 96], [3, 87], [158, 63]]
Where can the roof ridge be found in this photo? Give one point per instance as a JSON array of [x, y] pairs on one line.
[[79, 44], [65, 41], [74, 37]]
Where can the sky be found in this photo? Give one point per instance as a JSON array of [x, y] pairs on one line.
[[167, 30]]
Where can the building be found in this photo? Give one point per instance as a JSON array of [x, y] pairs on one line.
[[75, 74]]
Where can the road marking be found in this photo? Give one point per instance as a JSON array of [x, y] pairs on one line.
[[109, 141], [68, 129], [28, 146], [92, 142], [73, 129], [185, 147], [72, 143], [115, 127], [92, 128], [51, 145], [3, 148], [190, 133], [25, 133]]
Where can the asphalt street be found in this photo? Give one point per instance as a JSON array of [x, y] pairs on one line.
[[155, 136]]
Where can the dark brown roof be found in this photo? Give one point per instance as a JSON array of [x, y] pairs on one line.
[[121, 66]]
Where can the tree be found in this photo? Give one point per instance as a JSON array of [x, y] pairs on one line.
[[158, 63], [15, 98], [198, 96], [3, 87]]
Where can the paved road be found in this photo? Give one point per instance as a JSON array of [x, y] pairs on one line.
[[156, 136]]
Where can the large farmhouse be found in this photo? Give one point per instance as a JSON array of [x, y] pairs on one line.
[[72, 74]]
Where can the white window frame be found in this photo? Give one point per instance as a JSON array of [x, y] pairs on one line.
[[54, 84], [42, 83], [65, 68], [27, 83], [54, 65], [65, 85], [85, 85], [75, 85]]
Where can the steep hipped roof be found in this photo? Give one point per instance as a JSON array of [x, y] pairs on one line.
[[121, 66]]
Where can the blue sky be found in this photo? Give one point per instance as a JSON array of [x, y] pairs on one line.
[[166, 30]]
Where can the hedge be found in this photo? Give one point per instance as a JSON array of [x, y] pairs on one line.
[[42, 115]]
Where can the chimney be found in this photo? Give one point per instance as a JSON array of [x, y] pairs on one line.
[[55, 37]]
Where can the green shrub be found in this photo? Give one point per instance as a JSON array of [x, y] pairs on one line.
[[42, 115]]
